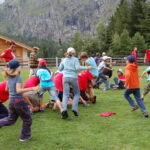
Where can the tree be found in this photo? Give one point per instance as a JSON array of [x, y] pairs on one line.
[[125, 43], [137, 15], [115, 47], [77, 42], [139, 42]]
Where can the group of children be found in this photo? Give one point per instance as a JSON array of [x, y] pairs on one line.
[[65, 87]]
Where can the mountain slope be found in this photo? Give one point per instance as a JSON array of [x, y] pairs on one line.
[[58, 19]]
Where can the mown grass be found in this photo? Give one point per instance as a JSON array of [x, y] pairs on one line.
[[124, 131]]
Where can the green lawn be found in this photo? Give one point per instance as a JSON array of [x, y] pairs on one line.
[[125, 131]]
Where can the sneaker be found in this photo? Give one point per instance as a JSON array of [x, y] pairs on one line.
[[94, 100], [135, 107], [75, 113], [41, 110], [86, 105], [64, 115], [23, 140], [145, 114]]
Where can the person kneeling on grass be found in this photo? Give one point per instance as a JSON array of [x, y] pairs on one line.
[[18, 106], [47, 84], [120, 81], [132, 85], [4, 96], [147, 87], [32, 96], [84, 78]]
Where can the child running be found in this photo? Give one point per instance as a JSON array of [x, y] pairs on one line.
[[132, 85], [147, 87], [18, 106], [70, 66]]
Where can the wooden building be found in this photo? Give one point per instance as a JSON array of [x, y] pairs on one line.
[[21, 50]]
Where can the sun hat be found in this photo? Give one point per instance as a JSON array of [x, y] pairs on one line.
[[120, 70], [130, 58], [71, 50], [105, 57], [13, 64], [42, 62]]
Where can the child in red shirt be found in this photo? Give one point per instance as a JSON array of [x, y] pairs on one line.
[[8, 54], [32, 96], [84, 78], [4, 96], [120, 81]]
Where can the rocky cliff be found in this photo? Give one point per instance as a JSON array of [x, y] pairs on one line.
[[58, 19]]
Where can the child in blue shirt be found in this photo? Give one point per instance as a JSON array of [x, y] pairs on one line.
[[18, 106], [46, 84], [147, 87]]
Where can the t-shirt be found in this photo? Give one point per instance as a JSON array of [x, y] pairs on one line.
[[32, 82], [4, 95], [58, 80], [101, 66], [91, 62], [134, 53], [96, 60], [121, 77], [12, 81], [148, 75], [7, 55], [148, 55], [45, 78], [83, 79]]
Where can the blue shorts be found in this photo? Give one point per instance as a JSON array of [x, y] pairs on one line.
[[52, 92]]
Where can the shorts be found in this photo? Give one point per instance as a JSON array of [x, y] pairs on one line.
[[52, 92], [146, 89], [33, 97], [84, 96], [60, 95]]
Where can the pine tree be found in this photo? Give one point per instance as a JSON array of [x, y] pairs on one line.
[[139, 42], [125, 43], [137, 15]]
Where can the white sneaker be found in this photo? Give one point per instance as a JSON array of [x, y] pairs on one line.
[[23, 140]]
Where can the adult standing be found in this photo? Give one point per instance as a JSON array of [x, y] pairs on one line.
[[135, 54], [34, 61], [70, 66], [8, 54], [147, 57]]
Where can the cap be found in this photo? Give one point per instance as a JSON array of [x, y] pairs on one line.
[[71, 50], [13, 64], [42, 62], [130, 58]]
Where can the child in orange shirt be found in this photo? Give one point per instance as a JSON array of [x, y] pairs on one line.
[[132, 85]]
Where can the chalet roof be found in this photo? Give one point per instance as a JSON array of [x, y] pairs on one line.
[[16, 42]]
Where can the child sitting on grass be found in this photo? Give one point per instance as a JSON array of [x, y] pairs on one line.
[[147, 87], [120, 81], [4, 96], [47, 84], [18, 106], [132, 85]]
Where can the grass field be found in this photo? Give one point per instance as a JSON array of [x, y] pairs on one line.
[[125, 131]]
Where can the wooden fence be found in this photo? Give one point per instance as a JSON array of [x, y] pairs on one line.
[[54, 62]]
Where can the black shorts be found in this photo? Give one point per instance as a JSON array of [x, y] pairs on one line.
[[60, 96], [84, 96]]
